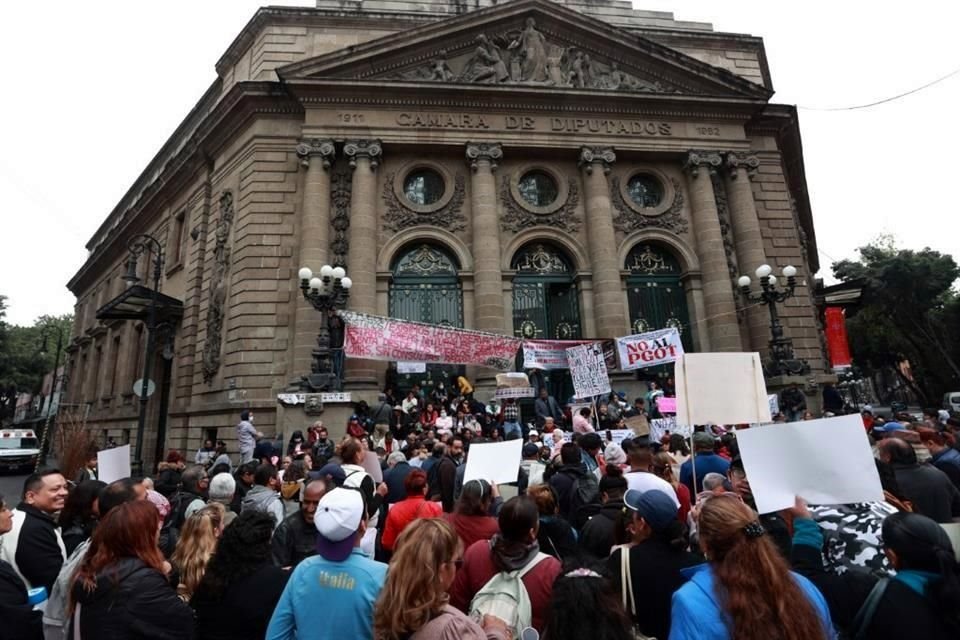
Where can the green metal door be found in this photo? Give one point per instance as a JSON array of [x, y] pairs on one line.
[[425, 288], [545, 305]]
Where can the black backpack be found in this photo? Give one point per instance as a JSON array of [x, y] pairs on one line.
[[433, 480], [585, 491]]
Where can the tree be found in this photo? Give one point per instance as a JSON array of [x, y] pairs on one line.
[[27, 354], [910, 311]]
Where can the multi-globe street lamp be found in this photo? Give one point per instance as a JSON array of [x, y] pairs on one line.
[[327, 292], [782, 361], [137, 246]]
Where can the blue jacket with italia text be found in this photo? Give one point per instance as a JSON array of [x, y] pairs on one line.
[[347, 591]]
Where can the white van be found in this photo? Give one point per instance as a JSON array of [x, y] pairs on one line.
[[951, 401], [19, 449]]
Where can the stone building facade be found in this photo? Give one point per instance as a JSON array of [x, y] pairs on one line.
[[545, 169]]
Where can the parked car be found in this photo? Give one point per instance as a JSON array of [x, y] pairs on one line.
[[19, 449], [951, 402]]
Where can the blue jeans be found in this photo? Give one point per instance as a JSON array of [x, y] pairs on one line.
[[512, 430]]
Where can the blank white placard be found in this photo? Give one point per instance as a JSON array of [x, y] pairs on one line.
[[497, 462], [722, 388], [113, 464]]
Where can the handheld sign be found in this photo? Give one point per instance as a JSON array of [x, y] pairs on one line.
[[497, 462], [722, 388], [649, 349]]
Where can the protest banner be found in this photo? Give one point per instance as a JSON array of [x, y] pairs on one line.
[[552, 354], [788, 460], [411, 367], [722, 388], [649, 349], [666, 405], [588, 370], [497, 462], [113, 464], [638, 425], [502, 393], [660, 427], [378, 338]]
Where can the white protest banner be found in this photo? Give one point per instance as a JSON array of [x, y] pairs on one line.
[[411, 367], [497, 462], [588, 370], [787, 460], [722, 388], [113, 464], [514, 392], [649, 349], [552, 354], [659, 427]]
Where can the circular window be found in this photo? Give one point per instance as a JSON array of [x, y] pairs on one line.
[[423, 187], [645, 191], [538, 188]]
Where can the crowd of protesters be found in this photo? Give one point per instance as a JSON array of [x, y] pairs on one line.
[[609, 540]]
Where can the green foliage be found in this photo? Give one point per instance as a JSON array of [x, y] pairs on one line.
[[910, 311], [27, 354]]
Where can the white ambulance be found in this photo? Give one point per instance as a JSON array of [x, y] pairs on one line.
[[19, 449]]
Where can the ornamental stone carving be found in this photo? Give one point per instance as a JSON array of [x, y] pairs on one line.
[[726, 230], [627, 219], [218, 289], [528, 57], [326, 150], [399, 216], [517, 218], [371, 149], [490, 151], [734, 161], [590, 156], [340, 188], [710, 160]]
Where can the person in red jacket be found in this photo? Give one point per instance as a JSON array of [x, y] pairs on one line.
[[511, 549], [414, 506]]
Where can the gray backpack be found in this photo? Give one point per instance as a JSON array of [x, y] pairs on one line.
[[505, 597]]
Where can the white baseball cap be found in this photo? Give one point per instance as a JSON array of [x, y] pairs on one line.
[[338, 517]]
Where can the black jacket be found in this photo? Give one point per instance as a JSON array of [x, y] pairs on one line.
[[903, 613], [395, 478], [557, 538], [930, 490], [323, 451], [293, 541], [245, 609], [446, 480], [655, 573], [596, 536], [39, 556], [20, 621], [563, 482], [132, 601]]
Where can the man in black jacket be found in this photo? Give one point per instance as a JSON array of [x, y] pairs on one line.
[[34, 547], [296, 537], [442, 479], [396, 475], [597, 534], [929, 489], [566, 478]]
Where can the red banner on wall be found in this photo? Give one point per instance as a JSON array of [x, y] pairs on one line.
[[837, 345], [378, 338]]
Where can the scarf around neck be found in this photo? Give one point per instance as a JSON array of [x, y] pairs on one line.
[[511, 556]]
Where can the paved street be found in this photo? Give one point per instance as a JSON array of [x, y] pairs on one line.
[[10, 486]]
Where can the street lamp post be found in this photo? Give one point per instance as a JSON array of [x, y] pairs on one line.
[[782, 361], [137, 246], [327, 293]]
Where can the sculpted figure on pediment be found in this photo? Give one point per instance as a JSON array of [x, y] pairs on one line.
[[531, 49], [487, 64]]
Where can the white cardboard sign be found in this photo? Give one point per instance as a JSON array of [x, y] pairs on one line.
[[497, 462], [827, 461], [113, 464], [588, 370], [721, 388]]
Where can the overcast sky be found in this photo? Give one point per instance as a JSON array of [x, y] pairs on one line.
[[92, 89]]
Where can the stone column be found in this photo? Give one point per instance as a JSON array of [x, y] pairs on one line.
[[719, 306], [608, 294], [487, 279], [364, 156], [316, 157], [747, 237]]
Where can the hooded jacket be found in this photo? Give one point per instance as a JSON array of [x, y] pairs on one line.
[[131, 601], [596, 536], [33, 547], [266, 500], [563, 481]]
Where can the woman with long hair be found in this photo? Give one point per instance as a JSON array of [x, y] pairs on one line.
[[241, 587], [79, 517], [413, 604], [585, 604], [471, 517], [556, 536], [746, 590], [120, 590], [921, 601], [197, 544], [663, 468]]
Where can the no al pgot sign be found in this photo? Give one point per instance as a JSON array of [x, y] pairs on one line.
[[649, 349]]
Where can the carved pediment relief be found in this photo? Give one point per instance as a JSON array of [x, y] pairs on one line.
[[529, 57], [526, 43]]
